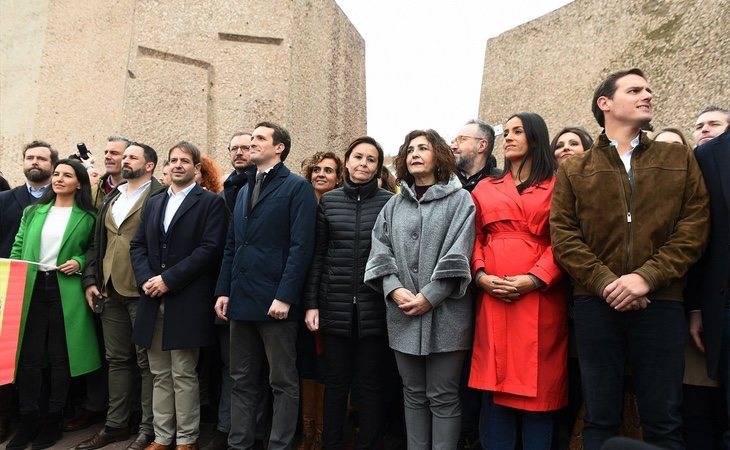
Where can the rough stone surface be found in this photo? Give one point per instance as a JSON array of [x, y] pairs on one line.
[[552, 64], [161, 71]]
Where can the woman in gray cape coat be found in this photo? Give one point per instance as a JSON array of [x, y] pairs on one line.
[[421, 245]]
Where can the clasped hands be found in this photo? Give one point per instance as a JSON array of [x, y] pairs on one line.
[[627, 293], [508, 288], [155, 287], [278, 310], [411, 304]]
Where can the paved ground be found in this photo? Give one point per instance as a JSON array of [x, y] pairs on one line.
[[70, 440]]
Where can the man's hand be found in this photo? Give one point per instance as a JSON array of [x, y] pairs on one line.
[[91, 293], [221, 307], [311, 319], [695, 329], [402, 295], [70, 267], [155, 287], [419, 305], [622, 292], [279, 310]]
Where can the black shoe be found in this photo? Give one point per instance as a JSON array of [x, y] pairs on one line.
[[50, 431], [104, 437], [27, 431], [219, 441]]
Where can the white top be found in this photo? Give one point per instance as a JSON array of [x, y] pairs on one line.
[[626, 157], [125, 200], [174, 202], [52, 235]]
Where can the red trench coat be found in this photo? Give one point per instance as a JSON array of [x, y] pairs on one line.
[[520, 348]]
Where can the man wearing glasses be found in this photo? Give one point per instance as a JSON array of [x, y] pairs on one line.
[[472, 149], [238, 151]]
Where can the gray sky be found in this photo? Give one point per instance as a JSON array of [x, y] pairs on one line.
[[424, 59]]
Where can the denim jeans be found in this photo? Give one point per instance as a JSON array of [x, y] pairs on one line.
[[652, 341], [537, 429]]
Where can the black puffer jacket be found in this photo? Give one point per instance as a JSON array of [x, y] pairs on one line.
[[345, 221]]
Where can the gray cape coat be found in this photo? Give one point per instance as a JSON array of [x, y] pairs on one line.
[[426, 247]]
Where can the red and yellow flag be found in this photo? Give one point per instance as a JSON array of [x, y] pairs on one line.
[[12, 290]]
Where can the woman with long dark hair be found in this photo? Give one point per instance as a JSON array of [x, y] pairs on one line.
[[570, 141], [520, 339], [56, 323], [419, 261], [349, 315]]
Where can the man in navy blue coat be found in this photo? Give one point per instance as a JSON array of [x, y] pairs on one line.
[[270, 246], [708, 291], [175, 255]]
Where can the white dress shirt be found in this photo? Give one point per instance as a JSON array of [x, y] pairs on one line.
[[173, 203], [125, 200]]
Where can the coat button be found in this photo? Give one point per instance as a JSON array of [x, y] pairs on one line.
[[415, 269], [414, 235], [163, 265], [164, 245]]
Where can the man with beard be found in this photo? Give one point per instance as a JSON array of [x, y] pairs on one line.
[[472, 149], [113, 154], [109, 275], [238, 151], [38, 160]]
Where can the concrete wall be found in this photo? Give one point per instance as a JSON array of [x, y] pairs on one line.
[[161, 71], [552, 65]]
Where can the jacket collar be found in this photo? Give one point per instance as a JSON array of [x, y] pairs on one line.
[[364, 190], [435, 192]]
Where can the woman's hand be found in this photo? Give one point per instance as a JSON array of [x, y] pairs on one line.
[[506, 289], [419, 305], [70, 267], [311, 319], [401, 296]]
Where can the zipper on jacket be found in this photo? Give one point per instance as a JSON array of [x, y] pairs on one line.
[[627, 204], [356, 247]]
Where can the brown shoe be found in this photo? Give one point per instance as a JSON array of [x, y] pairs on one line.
[[84, 419], [141, 442], [186, 447], [104, 438], [156, 446]]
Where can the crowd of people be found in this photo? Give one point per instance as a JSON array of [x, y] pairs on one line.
[[531, 307]]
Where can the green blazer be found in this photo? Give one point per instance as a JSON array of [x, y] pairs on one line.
[[83, 348]]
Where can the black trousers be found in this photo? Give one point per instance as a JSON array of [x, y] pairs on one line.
[[44, 336], [353, 363]]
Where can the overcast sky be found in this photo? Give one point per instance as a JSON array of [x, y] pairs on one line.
[[424, 59]]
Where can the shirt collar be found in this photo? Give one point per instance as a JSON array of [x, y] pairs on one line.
[[123, 188], [36, 192], [184, 192], [634, 142]]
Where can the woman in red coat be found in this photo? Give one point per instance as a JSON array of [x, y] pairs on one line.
[[520, 341]]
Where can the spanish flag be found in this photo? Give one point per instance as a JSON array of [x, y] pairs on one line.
[[12, 290]]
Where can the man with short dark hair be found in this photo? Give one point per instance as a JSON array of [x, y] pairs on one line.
[[38, 161], [708, 290], [176, 254], [109, 275], [628, 220], [239, 154], [711, 122], [269, 249], [472, 149]]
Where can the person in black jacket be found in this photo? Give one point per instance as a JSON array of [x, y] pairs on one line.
[[349, 315]]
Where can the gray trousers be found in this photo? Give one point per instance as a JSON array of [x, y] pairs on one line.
[[431, 398], [176, 395], [252, 344], [117, 321]]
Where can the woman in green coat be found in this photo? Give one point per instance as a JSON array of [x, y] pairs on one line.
[[56, 325]]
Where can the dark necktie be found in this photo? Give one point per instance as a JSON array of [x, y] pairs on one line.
[[257, 188]]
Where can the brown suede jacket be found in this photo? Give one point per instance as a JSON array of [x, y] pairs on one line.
[[604, 226]]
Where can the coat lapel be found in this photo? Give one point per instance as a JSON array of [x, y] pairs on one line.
[[190, 199], [35, 228], [76, 215], [23, 197], [506, 185], [273, 185], [721, 155]]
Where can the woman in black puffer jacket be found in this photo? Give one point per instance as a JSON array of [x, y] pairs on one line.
[[349, 315]]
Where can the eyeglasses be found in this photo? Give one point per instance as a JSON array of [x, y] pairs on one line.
[[462, 137], [236, 148]]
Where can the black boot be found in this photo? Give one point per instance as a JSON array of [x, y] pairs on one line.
[[27, 431], [50, 432]]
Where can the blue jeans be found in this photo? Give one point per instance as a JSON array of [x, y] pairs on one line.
[[652, 341], [537, 429]]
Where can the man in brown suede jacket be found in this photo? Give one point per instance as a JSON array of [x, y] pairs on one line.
[[628, 220]]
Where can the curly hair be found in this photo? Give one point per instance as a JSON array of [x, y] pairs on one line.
[[443, 157], [210, 175], [308, 166]]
